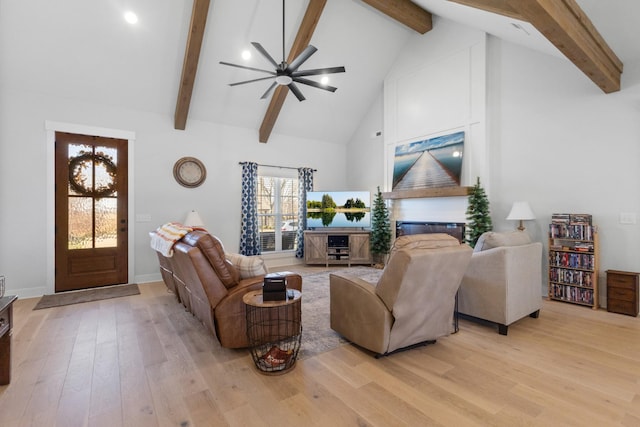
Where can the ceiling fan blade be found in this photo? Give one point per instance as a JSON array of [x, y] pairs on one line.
[[318, 71], [251, 81], [244, 67], [315, 84], [264, 95], [264, 53], [304, 55], [296, 91]]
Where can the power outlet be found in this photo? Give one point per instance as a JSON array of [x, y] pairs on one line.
[[628, 218]]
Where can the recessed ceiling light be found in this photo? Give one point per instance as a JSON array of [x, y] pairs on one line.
[[246, 55], [130, 17], [324, 80]]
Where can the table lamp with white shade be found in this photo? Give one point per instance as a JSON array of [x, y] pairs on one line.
[[521, 211], [193, 219]]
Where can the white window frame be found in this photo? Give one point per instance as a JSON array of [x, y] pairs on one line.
[[277, 208]]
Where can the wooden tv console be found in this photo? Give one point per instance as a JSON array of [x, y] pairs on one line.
[[337, 246]]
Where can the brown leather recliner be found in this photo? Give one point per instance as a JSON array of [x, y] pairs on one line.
[[166, 271], [213, 286]]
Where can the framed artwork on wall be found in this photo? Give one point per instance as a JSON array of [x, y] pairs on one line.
[[429, 163]]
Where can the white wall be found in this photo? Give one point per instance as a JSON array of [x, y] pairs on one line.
[[24, 164], [562, 144], [553, 138], [436, 87], [365, 152]]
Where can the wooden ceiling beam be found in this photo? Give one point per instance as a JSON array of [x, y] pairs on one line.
[[303, 38], [405, 12], [565, 25], [500, 7], [190, 63]]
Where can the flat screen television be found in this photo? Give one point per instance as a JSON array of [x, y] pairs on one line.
[[339, 209]]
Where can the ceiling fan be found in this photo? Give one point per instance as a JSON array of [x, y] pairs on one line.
[[286, 74]]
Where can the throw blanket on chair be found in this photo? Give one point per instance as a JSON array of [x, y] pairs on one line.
[[166, 236]]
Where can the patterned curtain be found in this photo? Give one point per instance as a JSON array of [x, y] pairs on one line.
[[305, 183], [249, 230]]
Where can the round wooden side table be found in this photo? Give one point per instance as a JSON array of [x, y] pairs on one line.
[[274, 331]]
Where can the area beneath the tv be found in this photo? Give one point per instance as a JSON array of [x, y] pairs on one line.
[[337, 246]]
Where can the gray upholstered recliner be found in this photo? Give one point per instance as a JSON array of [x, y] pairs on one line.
[[504, 279], [413, 301]]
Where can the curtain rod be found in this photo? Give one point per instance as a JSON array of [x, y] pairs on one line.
[[273, 166]]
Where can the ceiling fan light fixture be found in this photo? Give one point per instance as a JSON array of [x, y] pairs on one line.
[[283, 80], [288, 73]]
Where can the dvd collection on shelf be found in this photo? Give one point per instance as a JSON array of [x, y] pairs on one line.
[[571, 226], [573, 275], [567, 276], [572, 294], [572, 260]]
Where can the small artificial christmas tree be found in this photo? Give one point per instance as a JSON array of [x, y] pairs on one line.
[[478, 216], [380, 229]]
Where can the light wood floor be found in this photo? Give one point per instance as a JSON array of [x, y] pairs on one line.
[[143, 361]]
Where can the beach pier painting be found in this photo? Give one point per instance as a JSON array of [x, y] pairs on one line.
[[430, 163]]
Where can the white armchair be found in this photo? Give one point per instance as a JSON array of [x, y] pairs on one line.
[[503, 281]]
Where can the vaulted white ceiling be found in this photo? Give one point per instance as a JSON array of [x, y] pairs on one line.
[[86, 51]]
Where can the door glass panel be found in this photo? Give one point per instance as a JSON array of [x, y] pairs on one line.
[[80, 169], [106, 222], [80, 222], [106, 160], [92, 196]]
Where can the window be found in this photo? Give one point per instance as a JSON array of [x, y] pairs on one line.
[[277, 213]]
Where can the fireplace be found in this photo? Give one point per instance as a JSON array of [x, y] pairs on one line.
[[455, 229]]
